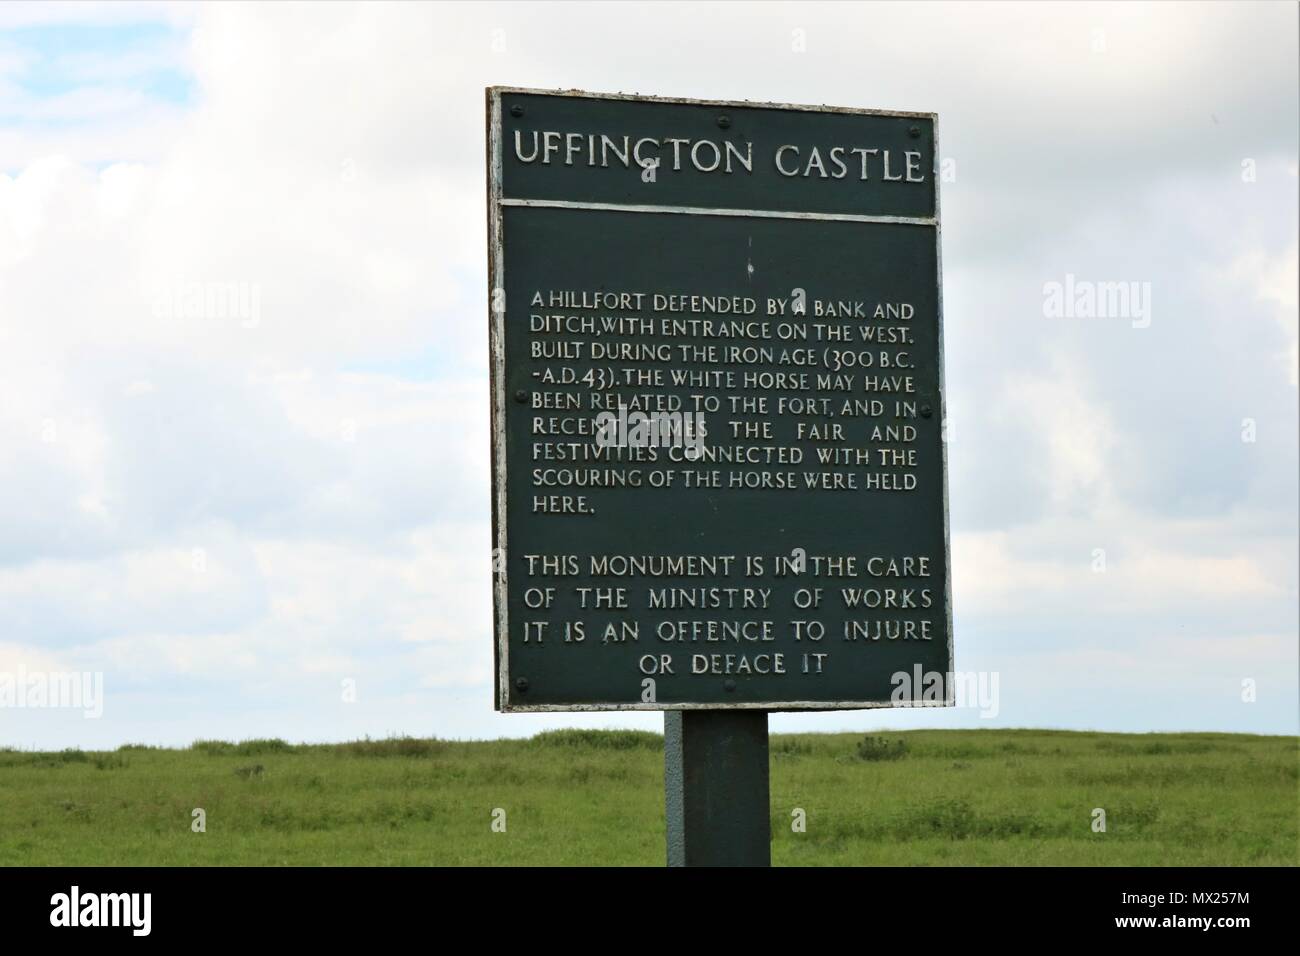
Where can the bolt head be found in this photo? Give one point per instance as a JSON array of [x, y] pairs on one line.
[[728, 684], [516, 110], [724, 121], [521, 396], [926, 411], [521, 684]]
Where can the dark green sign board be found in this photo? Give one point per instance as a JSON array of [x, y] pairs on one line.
[[717, 405]]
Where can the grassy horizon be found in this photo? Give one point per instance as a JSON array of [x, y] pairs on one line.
[[583, 797]]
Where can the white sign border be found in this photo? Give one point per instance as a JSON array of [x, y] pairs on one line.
[[496, 345]]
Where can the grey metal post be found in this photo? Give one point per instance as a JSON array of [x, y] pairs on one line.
[[716, 788]]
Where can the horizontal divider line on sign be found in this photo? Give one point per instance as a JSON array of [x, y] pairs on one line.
[[706, 211]]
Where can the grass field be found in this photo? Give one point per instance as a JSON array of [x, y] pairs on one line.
[[1020, 797]]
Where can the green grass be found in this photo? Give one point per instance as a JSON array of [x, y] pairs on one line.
[[1018, 797]]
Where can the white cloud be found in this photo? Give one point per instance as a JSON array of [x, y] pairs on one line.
[[1274, 279], [330, 458]]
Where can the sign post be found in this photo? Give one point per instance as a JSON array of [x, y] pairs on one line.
[[716, 788], [719, 473]]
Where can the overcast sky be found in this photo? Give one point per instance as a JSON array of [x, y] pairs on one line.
[[230, 517]]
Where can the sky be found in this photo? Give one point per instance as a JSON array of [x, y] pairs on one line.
[[273, 520]]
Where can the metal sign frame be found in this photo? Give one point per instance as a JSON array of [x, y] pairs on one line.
[[496, 283]]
